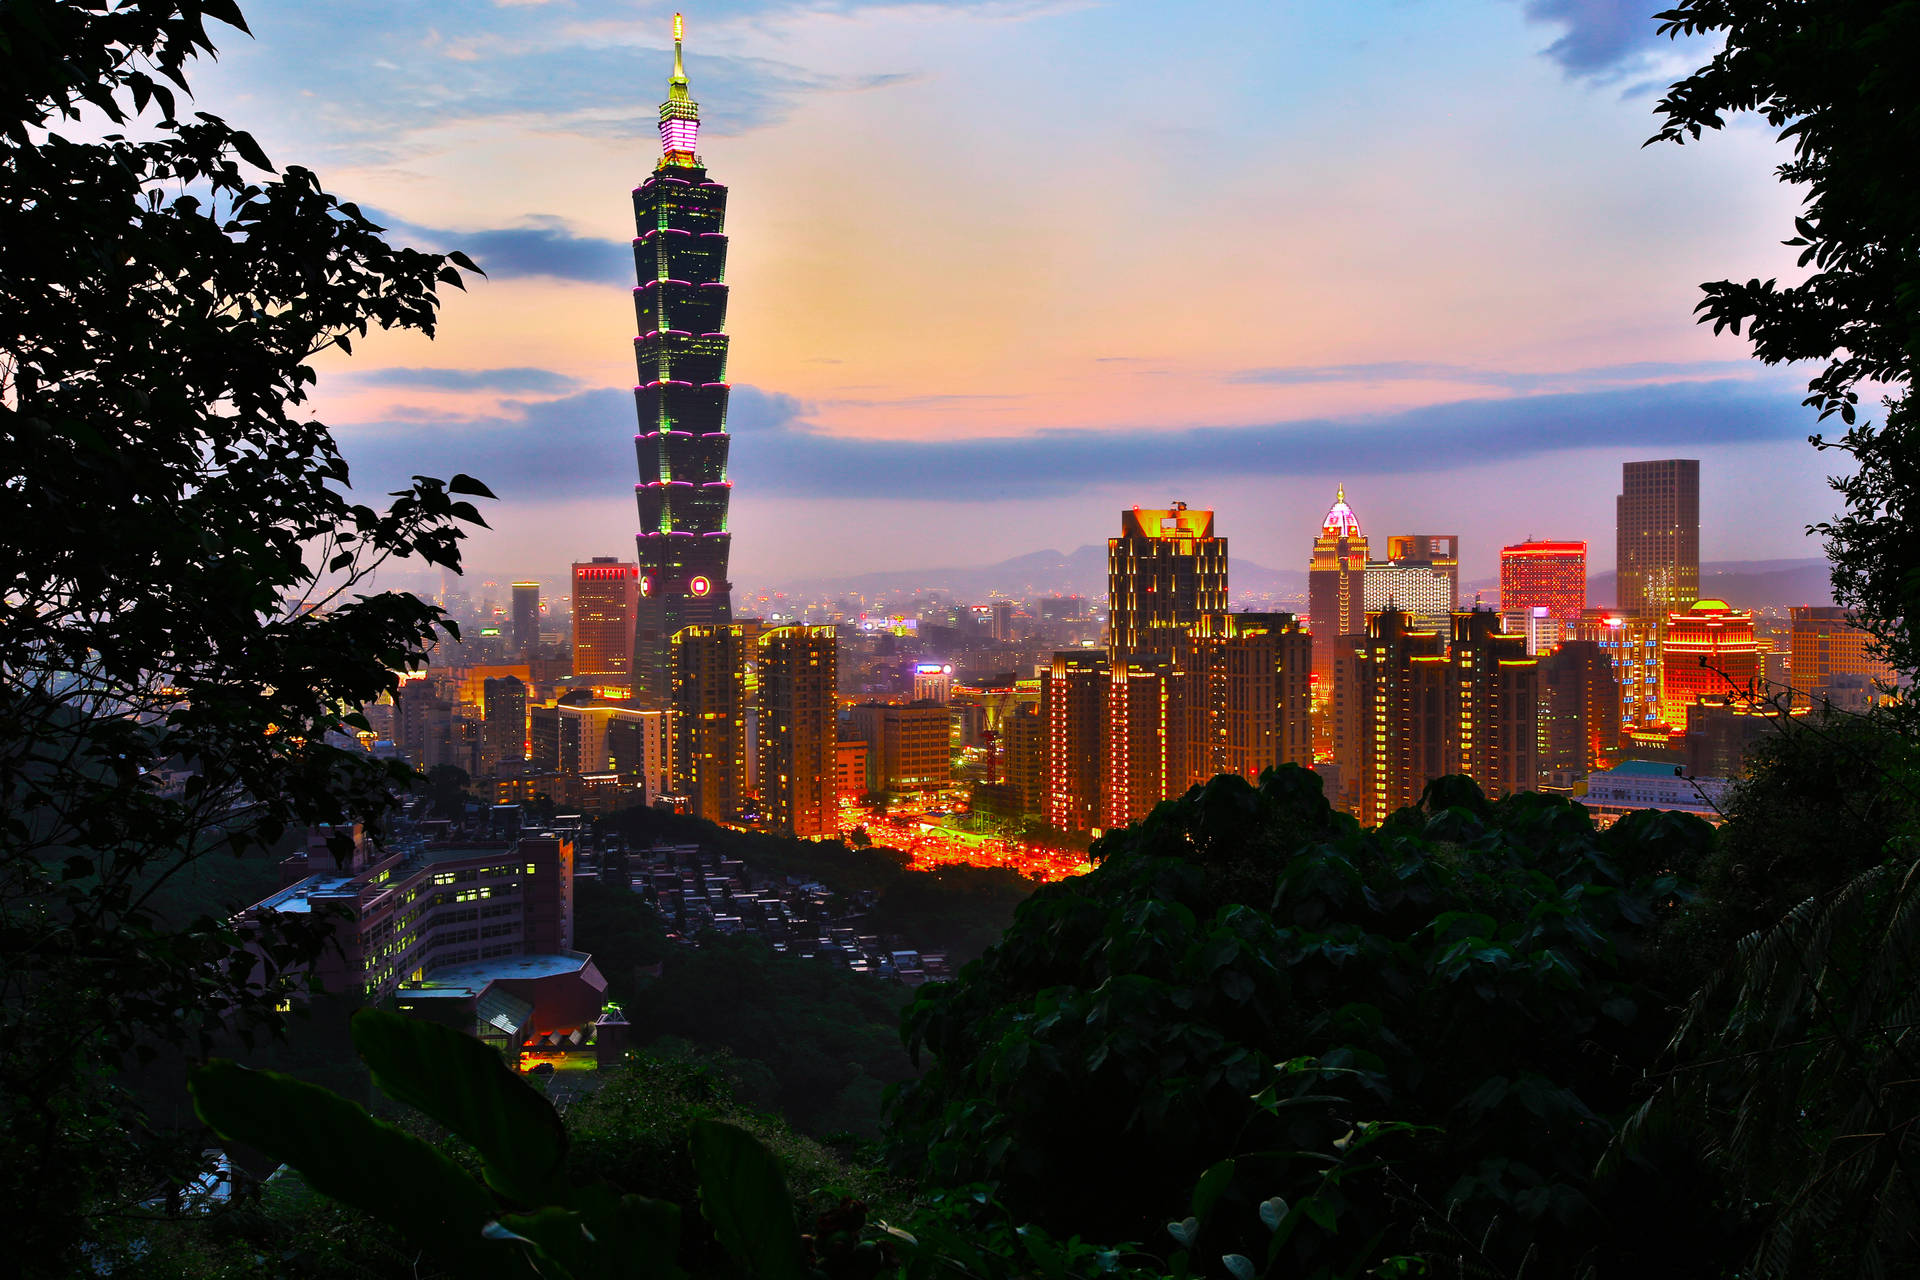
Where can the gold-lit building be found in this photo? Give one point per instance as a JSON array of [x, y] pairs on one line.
[[1164, 570], [1397, 681], [1493, 708], [1825, 644], [799, 712], [909, 748], [1336, 585], [710, 699], [1709, 650], [1249, 695]]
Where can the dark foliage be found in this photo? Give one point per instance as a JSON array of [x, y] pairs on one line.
[[179, 629], [1418, 1038]]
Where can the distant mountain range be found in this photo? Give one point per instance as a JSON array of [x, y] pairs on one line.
[[1748, 584]]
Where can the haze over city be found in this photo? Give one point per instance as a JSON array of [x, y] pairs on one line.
[[1000, 270]]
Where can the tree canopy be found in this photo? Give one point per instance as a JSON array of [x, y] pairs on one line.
[[185, 627]]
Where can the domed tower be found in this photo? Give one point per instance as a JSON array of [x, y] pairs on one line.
[[1336, 577]]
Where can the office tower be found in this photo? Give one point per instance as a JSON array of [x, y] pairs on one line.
[[503, 734], [1399, 679], [1824, 644], [680, 257], [1545, 575], [639, 745], [1709, 650], [1657, 537], [1632, 645], [526, 616], [850, 767], [798, 723], [909, 748], [605, 592], [1249, 688], [1024, 735], [932, 681], [1493, 696], [1537, 626], [1164, 570], [1420, 577], [1336, 590], [1146, 738], [1579, 712], [710, 716], [1073, 702]]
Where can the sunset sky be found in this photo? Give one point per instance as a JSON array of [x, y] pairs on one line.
[[1001, 269]]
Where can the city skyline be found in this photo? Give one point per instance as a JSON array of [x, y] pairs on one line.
[[1378, 320]]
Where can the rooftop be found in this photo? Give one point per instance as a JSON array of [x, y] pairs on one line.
[[299, 896], [475, 977], [1643, 769]]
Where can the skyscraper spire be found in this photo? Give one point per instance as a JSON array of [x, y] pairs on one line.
[[679, 114]]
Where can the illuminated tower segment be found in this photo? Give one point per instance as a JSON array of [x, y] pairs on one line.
[[680, 258]]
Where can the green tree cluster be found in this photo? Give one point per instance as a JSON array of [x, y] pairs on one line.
[[1250, 978], [184, 617]]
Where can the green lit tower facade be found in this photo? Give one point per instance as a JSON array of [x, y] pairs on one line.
[[680, 257]]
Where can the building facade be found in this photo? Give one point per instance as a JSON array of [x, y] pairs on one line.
[[1250, 692], [909, 748], [798, 723], [1824, 644], [1164, 570], [526, 616], [1493, 700], [1336, 585], [1657, 537], [503, 734], [710, 699], [680, 303], [1420, 577], [1709, 651], [605, 593], [1073, 704], [1544, 575]]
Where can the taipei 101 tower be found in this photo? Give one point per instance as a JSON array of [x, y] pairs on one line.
[[680, 256]]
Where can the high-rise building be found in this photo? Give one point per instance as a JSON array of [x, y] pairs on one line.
[[1420, 577], [1544, 575], [1073, 703], [1632, 645], [1164, 570], [1825, 643], [798, 721], [710, 716], [605, 591], [909, 748], [1537, 626], [503, 734], [1657, 537], [1709, 650], [1249, 694], [1579, 712], [1146, 738], [526, 616], [680, 256], [1024, 731], [1399, 694], [1336, 585], [1493, 697]]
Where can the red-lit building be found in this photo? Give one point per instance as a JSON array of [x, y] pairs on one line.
[[1550, 575], [1073, 705], [606, 593], [1710, 650]]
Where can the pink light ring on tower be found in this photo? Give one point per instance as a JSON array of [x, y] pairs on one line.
[[682, 136], [716, 484]]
